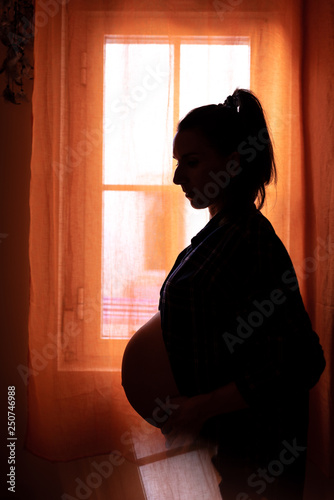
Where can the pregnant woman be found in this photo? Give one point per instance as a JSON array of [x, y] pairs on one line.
[[232, 347]]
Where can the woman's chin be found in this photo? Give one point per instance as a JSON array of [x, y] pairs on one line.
[[196, 204]]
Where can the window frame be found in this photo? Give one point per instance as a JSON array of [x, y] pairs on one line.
[[105, 354]]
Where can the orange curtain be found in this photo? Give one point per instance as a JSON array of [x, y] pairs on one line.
[[77, 406], [318, 265]]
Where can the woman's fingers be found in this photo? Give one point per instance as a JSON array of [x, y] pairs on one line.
[[166, 429]]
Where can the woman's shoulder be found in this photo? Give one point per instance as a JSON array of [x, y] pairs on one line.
[[255, 230], [249, 231], [249, 246]]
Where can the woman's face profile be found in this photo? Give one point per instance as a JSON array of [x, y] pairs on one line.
[[201, 171]]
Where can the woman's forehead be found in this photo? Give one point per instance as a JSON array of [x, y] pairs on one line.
[[188, 142]]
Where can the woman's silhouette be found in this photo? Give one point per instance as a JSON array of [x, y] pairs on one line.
[[237, 349]]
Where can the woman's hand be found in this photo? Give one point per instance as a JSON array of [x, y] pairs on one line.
[[185, 423]]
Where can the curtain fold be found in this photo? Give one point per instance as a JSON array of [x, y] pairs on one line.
[[77, 406], [318, 128]]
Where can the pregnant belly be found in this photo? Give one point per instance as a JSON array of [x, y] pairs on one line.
[[146, 373]]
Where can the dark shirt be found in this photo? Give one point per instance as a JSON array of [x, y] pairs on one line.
[[231, 310]]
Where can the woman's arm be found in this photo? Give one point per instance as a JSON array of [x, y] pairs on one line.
[[223, 400], [185, 423]]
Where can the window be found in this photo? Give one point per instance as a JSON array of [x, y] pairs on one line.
[[140, 103], [138, 87]]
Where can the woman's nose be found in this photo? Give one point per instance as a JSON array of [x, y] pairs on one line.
[[178, 176]]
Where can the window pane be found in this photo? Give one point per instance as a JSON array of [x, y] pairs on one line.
[[138, 106], [133, 264], [209, 73]]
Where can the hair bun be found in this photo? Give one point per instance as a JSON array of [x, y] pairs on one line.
[[232, 101]]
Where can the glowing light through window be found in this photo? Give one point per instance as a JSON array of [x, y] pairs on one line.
[[139, 103]]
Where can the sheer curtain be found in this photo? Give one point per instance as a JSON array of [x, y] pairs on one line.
[[106, 221]]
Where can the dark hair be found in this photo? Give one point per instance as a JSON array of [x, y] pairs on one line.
[[239, 125]]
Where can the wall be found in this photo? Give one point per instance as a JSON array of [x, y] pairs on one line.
[[15, 147]]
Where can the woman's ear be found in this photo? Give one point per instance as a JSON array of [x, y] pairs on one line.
[[233, 167]]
